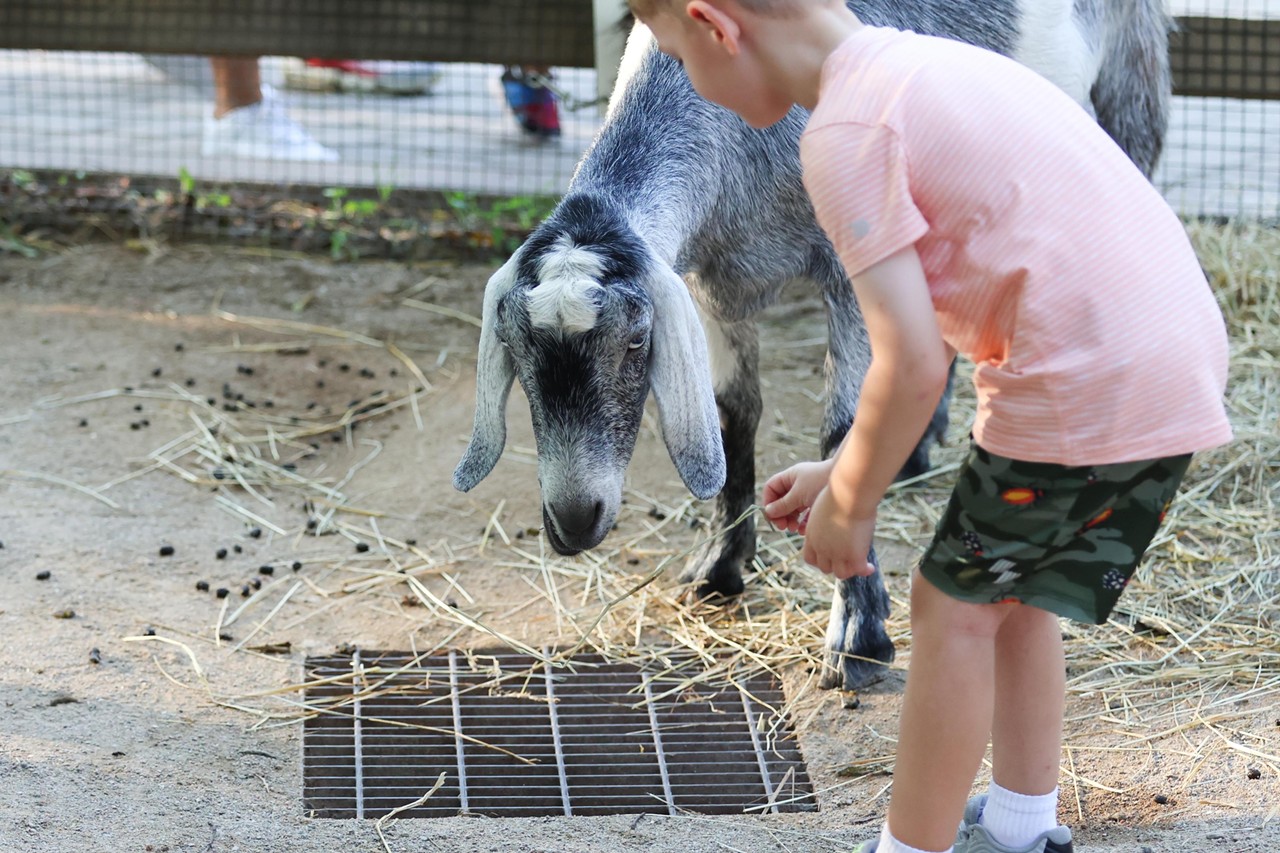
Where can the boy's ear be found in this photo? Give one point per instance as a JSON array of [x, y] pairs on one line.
[[718, 24]]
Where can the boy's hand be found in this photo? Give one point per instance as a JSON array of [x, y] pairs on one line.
[[837, 542], [789, 494], [900, 391]]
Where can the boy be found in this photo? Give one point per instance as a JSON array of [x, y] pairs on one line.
[[977, 209]]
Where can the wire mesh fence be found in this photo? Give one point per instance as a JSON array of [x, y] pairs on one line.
[[154, 115], [1222, 151], [146, 112]]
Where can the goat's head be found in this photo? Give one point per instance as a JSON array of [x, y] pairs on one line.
[[589, 319]]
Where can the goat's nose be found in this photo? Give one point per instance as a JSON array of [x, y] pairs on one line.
[[575, 518]]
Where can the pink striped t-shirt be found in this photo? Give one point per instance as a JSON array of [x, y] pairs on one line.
[[1053, 264]]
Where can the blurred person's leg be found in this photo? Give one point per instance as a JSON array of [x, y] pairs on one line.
[[249, 121], [236, 83]]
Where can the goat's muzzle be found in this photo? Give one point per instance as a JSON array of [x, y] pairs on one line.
[[574, 527]]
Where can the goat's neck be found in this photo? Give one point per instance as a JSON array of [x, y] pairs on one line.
[[664, 209], [662, 175]]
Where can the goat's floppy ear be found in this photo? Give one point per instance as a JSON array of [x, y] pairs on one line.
[[681, 379], [494, 375]]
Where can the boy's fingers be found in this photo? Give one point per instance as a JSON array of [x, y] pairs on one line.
[[782, 507], [774, 489], [791, 522]]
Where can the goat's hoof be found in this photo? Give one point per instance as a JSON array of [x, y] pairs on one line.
[[714, 589], [851, 672], [716, 578]]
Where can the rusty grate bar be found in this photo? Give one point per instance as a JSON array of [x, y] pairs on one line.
[[516, 738]]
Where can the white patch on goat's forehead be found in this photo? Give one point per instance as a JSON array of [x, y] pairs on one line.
[[568, 281]]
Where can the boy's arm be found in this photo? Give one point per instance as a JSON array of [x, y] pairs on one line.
[[899, 394]]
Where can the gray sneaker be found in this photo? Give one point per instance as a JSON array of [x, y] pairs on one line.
[[974, 838]]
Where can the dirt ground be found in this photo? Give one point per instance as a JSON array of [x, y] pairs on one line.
[[132, 748]]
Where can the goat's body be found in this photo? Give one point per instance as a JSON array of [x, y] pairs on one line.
[[724, 207]]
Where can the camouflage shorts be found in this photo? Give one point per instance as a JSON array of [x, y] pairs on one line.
[[1065, 539]]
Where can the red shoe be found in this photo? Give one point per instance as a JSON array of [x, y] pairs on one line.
[[351, 75]]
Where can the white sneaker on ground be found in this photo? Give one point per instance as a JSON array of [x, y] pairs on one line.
[[262, 131]]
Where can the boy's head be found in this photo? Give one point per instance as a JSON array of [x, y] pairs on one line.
[[645, 9], [729, 48]]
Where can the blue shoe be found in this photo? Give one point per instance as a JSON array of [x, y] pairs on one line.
[[974, 838], [533, 104]]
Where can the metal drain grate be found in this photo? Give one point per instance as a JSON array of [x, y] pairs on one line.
[[515, 738]]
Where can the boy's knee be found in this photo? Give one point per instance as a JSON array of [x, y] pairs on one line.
[[933, 609]]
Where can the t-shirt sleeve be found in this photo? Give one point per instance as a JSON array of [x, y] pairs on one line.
[[858, 179]]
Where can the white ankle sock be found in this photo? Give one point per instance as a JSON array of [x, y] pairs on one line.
[[1015, 820], [889, 844]]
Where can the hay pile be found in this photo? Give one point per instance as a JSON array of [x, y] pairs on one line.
[[1199, 626]]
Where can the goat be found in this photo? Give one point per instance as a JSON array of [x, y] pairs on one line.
[[678, 202]]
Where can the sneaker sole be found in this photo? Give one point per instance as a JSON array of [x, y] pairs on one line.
[[254, 153]]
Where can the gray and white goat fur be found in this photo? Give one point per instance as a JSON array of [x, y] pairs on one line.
[[680, 224]]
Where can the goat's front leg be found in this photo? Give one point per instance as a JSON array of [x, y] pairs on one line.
[[717, 566], [858, 647], [859, 650]]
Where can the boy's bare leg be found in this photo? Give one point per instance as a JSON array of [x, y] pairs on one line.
[[236, 83], [946, 714], [1030, 692]]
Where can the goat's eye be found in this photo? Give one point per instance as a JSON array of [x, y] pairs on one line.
[[638, 341]]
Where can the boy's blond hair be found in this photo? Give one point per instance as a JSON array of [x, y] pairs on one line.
[[775, 8]]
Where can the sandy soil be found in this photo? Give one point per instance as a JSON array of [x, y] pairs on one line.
[[132, 753]]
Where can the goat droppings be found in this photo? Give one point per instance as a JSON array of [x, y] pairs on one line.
[[44, 576], [202, 586], [166, 550]]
